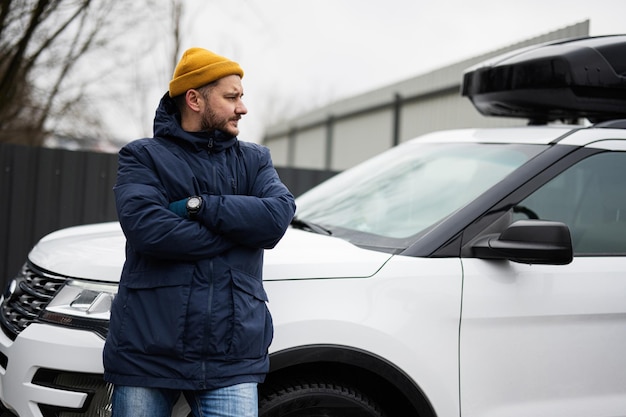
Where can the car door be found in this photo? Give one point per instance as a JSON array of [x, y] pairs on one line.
[[550, 340]]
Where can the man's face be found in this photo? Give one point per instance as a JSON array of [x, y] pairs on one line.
[[224, 106]]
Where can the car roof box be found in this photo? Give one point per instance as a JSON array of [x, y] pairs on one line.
[[562, 80]]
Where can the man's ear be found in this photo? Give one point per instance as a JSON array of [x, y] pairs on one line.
[[192, 99]]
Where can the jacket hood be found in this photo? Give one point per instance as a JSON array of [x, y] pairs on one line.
[[167, 125]]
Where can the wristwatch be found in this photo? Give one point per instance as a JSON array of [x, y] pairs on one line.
[[194, 203]]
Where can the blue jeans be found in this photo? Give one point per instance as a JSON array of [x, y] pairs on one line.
[[235, 401]]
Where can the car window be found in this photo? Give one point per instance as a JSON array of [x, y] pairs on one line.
[[410, 188], [590, 197]]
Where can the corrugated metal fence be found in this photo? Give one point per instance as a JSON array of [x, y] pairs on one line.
[[42, 190]]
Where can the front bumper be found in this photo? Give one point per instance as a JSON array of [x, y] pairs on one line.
[[52, 370]]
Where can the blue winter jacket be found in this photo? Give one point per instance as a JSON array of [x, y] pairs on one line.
[[191, 310]]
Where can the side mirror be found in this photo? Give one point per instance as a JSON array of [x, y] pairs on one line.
[[529, 242]]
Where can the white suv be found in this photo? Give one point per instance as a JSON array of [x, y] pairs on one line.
[[463, 273]]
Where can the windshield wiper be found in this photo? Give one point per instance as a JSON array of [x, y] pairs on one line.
[[310, 226]]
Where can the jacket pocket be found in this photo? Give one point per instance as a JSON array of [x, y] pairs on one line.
[[154, 311], [253, 328]]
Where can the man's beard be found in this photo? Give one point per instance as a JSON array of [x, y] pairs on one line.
[[210, 121]]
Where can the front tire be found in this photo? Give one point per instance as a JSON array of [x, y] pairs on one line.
[[310, 398]]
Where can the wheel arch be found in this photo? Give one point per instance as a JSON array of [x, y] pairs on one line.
[[396, 391]]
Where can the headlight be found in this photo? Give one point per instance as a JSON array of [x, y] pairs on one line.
[[82, 304]]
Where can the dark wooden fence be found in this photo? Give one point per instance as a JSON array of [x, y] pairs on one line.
[[42, 190]]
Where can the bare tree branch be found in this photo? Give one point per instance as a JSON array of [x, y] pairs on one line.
[[81, 10], [44, 48], [70, 60], [14, 67]]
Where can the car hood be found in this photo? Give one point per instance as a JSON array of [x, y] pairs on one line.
[[96, 252]]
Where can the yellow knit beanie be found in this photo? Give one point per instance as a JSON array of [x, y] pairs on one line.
[[199, 67]]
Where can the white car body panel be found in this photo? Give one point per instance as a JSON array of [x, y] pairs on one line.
[[304, 255], [387, 315], [544, 340], [93, 251]]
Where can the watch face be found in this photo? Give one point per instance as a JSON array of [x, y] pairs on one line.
[[193, 203]]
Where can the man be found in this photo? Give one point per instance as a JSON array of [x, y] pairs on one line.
[[197, 207]]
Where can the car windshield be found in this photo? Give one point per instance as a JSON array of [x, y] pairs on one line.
[[409, 188]]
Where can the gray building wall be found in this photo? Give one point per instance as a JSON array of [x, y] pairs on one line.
[[349, 131]]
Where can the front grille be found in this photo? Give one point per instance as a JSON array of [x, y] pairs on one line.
[[26, 298]]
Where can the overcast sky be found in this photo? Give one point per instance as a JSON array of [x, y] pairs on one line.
[[301, 54]]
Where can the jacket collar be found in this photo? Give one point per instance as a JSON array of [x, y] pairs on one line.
[[167, 125]]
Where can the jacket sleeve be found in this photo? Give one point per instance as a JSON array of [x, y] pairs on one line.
[[149, 226], [257, 220]]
